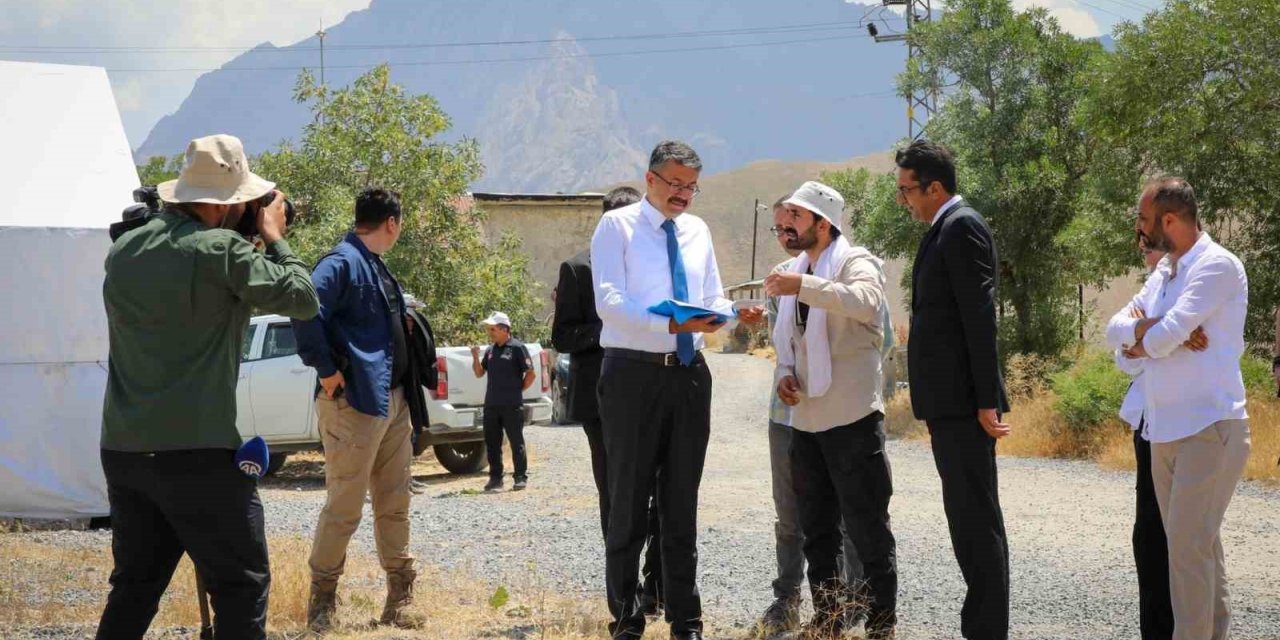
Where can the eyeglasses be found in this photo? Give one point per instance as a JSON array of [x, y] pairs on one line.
[[903, 191], [691, 188]]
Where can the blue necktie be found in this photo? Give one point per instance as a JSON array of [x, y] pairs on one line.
[[679, 290]]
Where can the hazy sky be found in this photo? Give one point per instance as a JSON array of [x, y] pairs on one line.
[[31, 28]]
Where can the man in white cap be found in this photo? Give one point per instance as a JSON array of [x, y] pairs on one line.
[[178, 293], [828, 337], [510, 371]]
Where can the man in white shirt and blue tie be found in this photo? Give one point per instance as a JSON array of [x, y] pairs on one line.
[[655, 388], [1193, 402]]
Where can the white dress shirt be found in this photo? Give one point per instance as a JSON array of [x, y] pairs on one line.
[[947, 205], [1184, 391], [631, 273]]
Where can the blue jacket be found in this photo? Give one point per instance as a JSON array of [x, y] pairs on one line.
[[352, 332]]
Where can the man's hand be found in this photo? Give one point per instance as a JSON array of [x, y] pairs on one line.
[[751, 315], [1135, 352], [783, 283], [1199, 340], [701, 324], [789, 391], [1140, 331], [990, 419], [1137, 313], [271, 222], [475, 352], [332, 384]]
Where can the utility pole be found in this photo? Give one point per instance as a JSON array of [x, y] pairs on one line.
[[755, 232], [323, 88], [920, 105]]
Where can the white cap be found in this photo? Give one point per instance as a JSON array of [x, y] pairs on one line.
[[820, 199], [497, 318]]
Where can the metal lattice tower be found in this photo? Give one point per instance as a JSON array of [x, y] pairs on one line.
[[920, 105]]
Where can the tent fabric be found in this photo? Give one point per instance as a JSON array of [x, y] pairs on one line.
[[67, 162], [66, 174]]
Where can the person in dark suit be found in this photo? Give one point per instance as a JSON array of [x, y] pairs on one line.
[[575, 330], [955, 380]]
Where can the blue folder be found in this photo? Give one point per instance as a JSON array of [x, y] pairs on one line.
[[682, 312]]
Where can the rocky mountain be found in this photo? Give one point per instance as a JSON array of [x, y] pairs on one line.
[[562, 94], [558, 111]]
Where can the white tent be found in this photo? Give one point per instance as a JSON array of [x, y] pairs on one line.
[[65, 174]]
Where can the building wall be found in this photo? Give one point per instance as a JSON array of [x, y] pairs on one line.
[[549, 232]]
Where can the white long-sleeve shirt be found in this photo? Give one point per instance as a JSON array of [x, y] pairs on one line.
[[1184, 391], [631, 273]]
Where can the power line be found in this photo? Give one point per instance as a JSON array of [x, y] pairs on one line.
[[797, 28], [429, 63]]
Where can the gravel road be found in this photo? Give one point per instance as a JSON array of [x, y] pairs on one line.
[[1069, 527]]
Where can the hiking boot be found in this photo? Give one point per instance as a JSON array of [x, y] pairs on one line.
[[399, 599], [520, 485], [782, 615], [495, 484], [322, 606]]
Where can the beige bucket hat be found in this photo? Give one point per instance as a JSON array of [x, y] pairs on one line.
[[820, 199], [216, 171]]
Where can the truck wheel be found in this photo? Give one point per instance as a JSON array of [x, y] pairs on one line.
[[559, 412], [274, 463], [461, 458]]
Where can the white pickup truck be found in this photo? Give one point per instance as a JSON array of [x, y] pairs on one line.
[[275, 398]]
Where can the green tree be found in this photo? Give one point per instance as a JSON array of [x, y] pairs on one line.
[[374, 134], [159, 169], [1194, 90], [1013, 80]]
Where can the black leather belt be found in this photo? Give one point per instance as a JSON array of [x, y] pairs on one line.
[[660, 359]]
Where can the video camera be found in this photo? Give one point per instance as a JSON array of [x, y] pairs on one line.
[[148, 205], [248, 225]]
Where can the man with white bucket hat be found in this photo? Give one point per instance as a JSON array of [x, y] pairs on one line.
[[828, 337], [178, 293]]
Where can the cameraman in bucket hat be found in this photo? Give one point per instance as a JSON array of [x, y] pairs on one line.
[[179, 291]]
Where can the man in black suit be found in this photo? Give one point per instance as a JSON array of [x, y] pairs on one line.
[[575, 330], [956, 385]]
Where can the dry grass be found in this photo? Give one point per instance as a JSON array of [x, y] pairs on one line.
[[46, 584], [1040, 432]]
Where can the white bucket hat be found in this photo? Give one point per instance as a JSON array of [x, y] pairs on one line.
[[498, 318], [215, 171], [820, 199]]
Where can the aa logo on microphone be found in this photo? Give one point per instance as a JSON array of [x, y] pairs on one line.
[[251, 468]]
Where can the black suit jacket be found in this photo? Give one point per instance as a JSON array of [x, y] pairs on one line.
[[576, 331], [952, 361]]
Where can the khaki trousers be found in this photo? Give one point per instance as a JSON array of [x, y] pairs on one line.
[[363, 454], [1195, 478]]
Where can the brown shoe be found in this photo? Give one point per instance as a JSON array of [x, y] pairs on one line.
[[323, 605], [399, 599]]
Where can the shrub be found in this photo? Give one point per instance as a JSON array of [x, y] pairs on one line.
[[1257, 374], [1091, 391]]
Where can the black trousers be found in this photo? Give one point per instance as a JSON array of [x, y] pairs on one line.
[[844, 473], [1150, 551], [651, 574], [966, 459], [509, 420], [657, 421], [196, 502]]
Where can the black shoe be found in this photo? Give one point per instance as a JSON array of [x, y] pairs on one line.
[[520, 484], [687, 635], [782, 615], [494, 485], [649, 604]]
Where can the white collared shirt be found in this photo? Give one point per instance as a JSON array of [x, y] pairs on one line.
[[1184, 391], [630, 271], [938, 214]]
